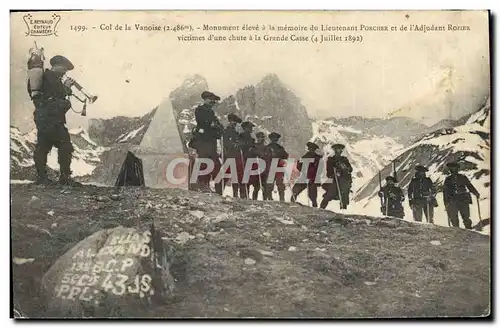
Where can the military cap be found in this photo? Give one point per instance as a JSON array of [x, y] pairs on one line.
[[233, 118], [420, 168], [274, 136], [312, 145], [247, 124], [209, 95], [260, 134], [338, 146], [391, 178], [453, 164], [61, 61]]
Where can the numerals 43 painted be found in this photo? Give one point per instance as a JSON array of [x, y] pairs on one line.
[[118, 286]]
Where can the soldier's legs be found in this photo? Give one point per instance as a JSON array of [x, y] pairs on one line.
[[243, 190], [42, 149], [429, 212], [296, 190], [344, 196], [235, 187], [464, 210], [268, 188], [281, 190], [417, 210], [328, 195], [256, 189], [312, 192], [452, 211], [65, 152]]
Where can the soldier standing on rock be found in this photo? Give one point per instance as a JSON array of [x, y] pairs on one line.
[[246, 143], [231, 145], [456, 196], [275, 150], [311, 185], [393, 198], [339, 169], [51, 106], [258, 151], [208, 130], [422, 195]]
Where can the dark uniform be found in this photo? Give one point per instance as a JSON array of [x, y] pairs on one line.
[[246, 143], [231, 145], [422, 195], [456, 196], [393, 199], [339, 169], [311, 185], [208, 130], [51, 106], [274, 150], [258, 151]]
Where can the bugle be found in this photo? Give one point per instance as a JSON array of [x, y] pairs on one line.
[[91, 98]]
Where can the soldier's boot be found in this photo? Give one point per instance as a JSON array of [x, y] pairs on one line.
[[255, 193], [282, 195], [324, 203], [467, 223], [243, 191], [40, 159], [235, 189], [65, 164], [314, 203]]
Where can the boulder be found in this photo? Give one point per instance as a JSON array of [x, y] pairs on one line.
[[112, 273]]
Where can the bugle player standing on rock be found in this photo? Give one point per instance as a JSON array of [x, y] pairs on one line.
[[51, 106]]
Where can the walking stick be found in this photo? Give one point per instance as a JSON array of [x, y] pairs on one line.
[[260, 182], [478, 208], [387, 204], [427, 217], [338, 187], [222, 157]]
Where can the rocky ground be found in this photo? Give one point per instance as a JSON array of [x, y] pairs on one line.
[[237, 258]]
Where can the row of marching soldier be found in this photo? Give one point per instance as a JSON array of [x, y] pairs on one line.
[[242, 146], [422, 196], [237, 145]]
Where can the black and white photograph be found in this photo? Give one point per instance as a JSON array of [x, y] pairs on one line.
[[250, 164]]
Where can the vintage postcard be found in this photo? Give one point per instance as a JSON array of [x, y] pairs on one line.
[[250, 164]]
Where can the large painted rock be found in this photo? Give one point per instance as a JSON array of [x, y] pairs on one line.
[[119, 272]]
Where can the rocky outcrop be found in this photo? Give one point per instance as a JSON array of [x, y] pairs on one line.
[[273, 107], [119, 129], [112, 273]]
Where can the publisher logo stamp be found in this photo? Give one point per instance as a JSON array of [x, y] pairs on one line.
[[40, 25]]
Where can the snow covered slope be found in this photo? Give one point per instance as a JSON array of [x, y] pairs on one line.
[[22, 146], [469, 144], [367, 152]]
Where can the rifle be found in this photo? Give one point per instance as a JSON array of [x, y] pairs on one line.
[[338, 186], [394, 170], [478, 209]]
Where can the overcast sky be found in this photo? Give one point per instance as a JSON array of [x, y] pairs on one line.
[[387, 72]]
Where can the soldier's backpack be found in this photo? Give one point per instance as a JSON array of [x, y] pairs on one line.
[[35, 66]]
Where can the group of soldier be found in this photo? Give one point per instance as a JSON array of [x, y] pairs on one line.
[[241, 146], [422, 196]]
